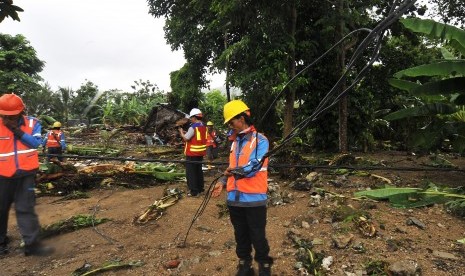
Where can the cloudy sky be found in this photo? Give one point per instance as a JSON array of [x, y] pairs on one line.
[[109, 42]]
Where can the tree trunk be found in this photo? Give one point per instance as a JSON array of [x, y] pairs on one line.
[[290, 91], [228, 93], [343, 111]]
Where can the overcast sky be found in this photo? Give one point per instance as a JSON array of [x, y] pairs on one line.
[[109, 42]]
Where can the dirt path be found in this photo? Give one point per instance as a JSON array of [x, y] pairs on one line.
[[210, 246]]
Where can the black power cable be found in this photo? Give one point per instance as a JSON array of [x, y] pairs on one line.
[[375, 35]]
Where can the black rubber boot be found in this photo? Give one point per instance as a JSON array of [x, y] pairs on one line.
[[244, 268], [38, 250], [264, 269]]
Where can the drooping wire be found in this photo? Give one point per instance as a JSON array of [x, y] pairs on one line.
[[203, 205], [374, 35]]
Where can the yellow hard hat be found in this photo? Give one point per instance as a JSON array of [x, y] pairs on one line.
[[56, 124], [209, 123], [233, 108]]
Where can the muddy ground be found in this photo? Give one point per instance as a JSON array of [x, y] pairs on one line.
[[210, 245]]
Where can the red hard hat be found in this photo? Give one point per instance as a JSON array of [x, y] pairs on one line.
[[10, 104]]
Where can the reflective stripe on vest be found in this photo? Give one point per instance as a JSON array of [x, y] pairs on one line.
[[51, 141], [211, 139], [258, 183], [197, 145], [14, 155]]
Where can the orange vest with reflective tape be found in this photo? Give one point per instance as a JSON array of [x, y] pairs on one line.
[[257, 184], [53, 138], [211, 139], [14, 155], [197, 145]]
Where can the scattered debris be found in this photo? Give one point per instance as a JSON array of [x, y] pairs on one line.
[[445, 255], [85, 270], [156, 210], [416, 222], [172, 264], [365, 226], [404, 268], [72, 196], [70, 224], [342, 159], [92, 151]]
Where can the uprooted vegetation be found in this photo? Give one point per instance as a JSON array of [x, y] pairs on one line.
[[331, 216]]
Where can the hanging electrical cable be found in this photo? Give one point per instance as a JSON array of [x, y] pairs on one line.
[[374, 36]]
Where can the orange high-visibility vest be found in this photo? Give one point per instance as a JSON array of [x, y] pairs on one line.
[[14, 155], [211, 139], [196, 146], [54, 138], [258, 183]]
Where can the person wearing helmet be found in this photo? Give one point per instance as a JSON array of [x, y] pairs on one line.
[[195, 148], [19, 139], [55, 142], [246, 183], [212, 143]]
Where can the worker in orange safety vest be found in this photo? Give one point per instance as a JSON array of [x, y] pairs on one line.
[[246, 183], [212, 143], [195, 149], [55, 141], [20, 136]]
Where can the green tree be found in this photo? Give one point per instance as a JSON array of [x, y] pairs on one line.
[[185, 86], [86, 103], [19, 65], [212, 106], [145, 91], [441, 86], [38, 102], [7, 9]]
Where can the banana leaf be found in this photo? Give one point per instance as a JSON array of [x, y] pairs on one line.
[[385, 193], [168, 176], [446, 54], [154, 167], [420, 111], [459, 99], [415, 200], [412, 197], [431, 28], [443, 87], [440, 68], [403, 84]]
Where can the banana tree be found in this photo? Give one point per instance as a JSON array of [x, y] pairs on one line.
[[444, 91]]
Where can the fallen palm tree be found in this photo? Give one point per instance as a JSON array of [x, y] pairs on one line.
[[157, 209]]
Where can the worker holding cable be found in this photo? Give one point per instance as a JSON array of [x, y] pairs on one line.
[[246, 181]]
